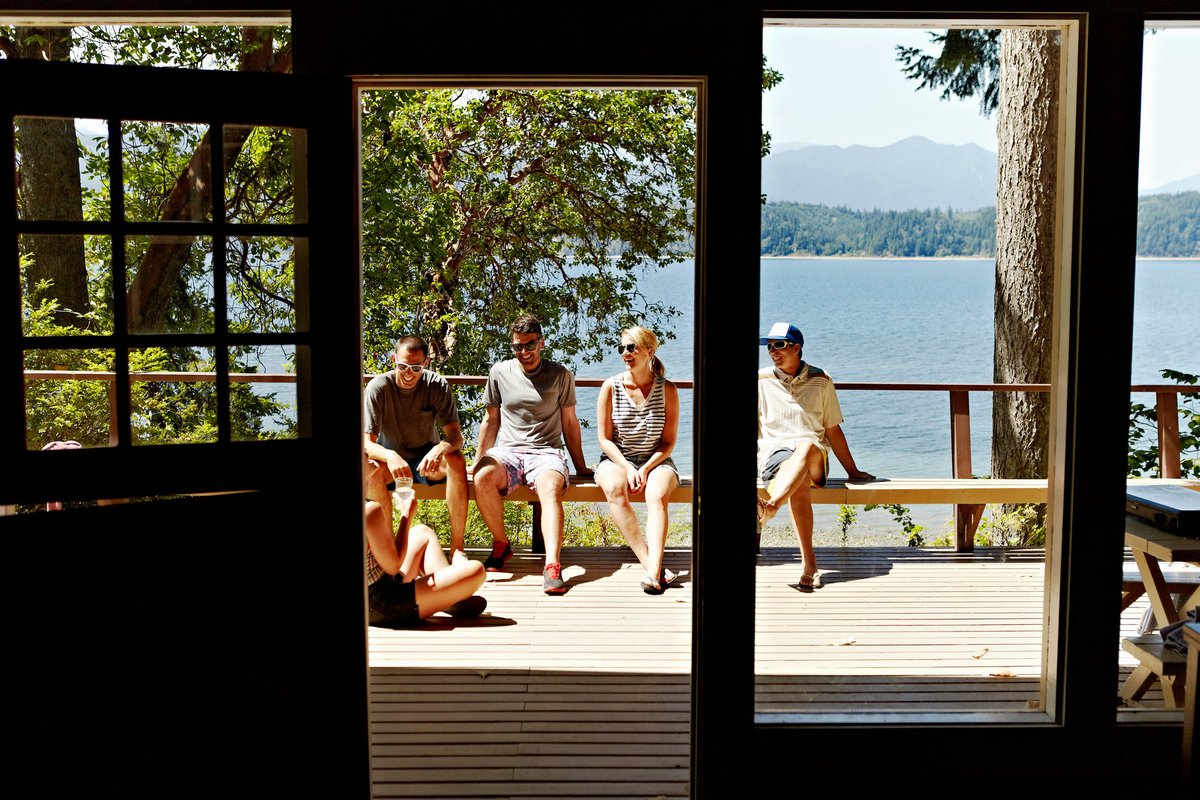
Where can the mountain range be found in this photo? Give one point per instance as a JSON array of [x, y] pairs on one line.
[[913, 173]]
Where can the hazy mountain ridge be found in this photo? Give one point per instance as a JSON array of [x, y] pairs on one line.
[[911, 173]]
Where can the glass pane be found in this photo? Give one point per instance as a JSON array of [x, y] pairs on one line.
[[178, 406], [68, 398], [169, 281], [62, 169], [905, 602], [66, 284], [167, 171], [261, 283], [263, 407], [1164, 425], [260, 182]]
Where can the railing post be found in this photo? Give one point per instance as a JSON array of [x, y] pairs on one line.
[[112, 411], [966, 517], [1166, 405]]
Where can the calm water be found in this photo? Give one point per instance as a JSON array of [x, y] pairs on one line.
[[878, 320]]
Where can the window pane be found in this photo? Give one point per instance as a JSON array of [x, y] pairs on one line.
[[260, 182], [264, 408], [261, 283], [167, 171], [918, 605], [68, 397], [62, 169], [178, 407], [66, 284], [169, 281]]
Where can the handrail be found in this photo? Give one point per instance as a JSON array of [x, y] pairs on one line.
[[1166, 399]]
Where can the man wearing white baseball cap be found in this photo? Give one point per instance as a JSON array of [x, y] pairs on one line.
[[799, 422]]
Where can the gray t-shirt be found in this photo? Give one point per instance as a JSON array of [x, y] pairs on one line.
[[405, 420], [530, 407]]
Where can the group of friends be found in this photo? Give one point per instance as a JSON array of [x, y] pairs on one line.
[[412, 432]]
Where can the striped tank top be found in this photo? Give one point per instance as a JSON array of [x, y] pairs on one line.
[[637, 429]]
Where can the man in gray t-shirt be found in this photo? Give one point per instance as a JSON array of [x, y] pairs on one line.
[[402, 411], [530, 412]]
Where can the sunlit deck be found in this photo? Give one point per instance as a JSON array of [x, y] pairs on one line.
[[587, 694]]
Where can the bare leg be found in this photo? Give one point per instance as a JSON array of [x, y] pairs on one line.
[[611, 478], [456, 500], [661, 482], [549, 486], [447, 586], [490, 480], [793, 484]]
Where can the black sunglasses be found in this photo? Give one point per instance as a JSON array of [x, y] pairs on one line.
[[779, 344], [626, 348], [527, 347]]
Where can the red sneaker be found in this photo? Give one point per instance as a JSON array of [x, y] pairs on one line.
[[552, 582]]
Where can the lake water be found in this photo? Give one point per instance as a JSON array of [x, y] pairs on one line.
[[892, 320]]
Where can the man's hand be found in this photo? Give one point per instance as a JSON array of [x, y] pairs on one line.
[[398, 467], [433, 464], [859, 475], [584, 472]]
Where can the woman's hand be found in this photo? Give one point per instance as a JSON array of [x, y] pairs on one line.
[[635, 479]]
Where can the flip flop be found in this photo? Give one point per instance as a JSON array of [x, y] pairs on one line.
[[809, 581], [651, 586]]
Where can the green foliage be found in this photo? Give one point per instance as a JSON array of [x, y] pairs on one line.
[[903, 517], [1143, 432], [1168, 225], [1024, 526], [190, 47], [813, 230], [968, 65], [846, 517], [771, 78], [482, 205]]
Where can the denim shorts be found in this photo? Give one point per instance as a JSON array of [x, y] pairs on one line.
[[523, 465], [393, 602]]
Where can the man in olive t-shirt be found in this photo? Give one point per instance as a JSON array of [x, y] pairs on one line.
[[530, 412], [402, 412]]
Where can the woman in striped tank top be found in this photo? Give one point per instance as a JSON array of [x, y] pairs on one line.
[[638, 415]]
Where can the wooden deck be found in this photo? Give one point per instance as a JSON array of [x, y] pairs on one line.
[[587, 694]]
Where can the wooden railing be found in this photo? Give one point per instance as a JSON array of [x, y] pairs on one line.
[[1166, 400]]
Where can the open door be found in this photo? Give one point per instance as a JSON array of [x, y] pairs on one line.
[[207, 628]]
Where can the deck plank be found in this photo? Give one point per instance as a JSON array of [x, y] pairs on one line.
[[587, 695]]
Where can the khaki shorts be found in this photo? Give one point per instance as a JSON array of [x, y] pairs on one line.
[[775, 460]]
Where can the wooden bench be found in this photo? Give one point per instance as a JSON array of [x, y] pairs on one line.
[[581, 490], [1155, 662]]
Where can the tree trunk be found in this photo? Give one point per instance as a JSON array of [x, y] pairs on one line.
[[1025, 214], [153, 289], [50, 189]]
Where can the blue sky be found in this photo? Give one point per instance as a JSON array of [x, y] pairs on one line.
[[843, 86]]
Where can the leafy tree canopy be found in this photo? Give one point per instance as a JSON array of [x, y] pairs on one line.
[[968, 65], [482, 205]]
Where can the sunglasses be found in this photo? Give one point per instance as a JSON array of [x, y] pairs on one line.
[[779, 344], [415, 369], [527, 347], [626, 348]]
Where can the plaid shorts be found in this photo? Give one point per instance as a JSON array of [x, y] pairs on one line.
[[523, 465]]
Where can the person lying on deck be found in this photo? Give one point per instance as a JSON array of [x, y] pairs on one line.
[[408, 576], [799, 421]]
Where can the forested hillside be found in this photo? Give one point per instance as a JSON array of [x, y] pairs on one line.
[[1168, 227]]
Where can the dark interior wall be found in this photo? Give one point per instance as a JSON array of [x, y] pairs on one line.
[[99, 669]]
